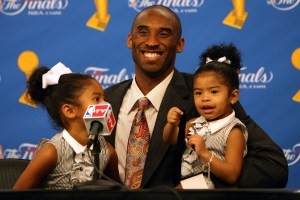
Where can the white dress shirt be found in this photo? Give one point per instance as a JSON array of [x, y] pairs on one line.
[[127, 112]]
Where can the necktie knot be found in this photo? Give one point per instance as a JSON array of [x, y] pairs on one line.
[[143, 103]]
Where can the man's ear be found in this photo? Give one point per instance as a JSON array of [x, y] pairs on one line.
[[234, 96], [129, 40], [68, 111], [180, 45]]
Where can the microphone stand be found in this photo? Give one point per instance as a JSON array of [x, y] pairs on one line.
[[97, 183], [96, 152]]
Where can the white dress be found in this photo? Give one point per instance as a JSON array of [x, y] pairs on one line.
[[74, 165], [215, 134]]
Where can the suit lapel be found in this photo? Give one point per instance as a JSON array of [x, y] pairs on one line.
[[116, 103], [176, 95]]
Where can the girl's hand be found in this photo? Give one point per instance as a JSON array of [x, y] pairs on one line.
[[197, 143], [174, 115]]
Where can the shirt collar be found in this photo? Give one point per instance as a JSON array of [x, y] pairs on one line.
[[78, 148], [155, 96], [214, 126]]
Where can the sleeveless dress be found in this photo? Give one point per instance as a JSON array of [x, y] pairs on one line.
[[215, 134], [74, 164]]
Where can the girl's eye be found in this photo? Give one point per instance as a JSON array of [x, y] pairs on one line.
[[214, 92]]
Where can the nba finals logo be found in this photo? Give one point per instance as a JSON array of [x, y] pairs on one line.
[[237, 17], [33, 7], [283, 5], [101, 17]]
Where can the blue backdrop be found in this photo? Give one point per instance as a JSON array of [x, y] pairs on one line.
[[45, 32]]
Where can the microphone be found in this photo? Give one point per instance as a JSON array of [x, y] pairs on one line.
[[99, 120]]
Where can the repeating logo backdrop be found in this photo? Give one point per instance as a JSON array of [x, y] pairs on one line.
[[90, 37]]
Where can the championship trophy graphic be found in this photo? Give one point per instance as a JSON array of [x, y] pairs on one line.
[[296, 62], [237, 17], [27, 62], [101, 17]]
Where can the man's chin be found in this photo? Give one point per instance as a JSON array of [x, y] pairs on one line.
[[153, 74]]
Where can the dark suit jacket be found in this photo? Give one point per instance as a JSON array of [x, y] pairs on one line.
[[265, 165], [163, 163]]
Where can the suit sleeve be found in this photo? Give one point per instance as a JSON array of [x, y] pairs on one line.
[[265, 165]]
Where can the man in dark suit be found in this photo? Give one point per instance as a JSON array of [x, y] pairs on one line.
[[155, 39]]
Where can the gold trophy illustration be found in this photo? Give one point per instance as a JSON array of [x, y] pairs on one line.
[[101, 17], [237, 17], [296, 62], [296, 97], [27, 62]]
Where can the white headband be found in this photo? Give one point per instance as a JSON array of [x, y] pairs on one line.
[[221, 60], [53, 75]]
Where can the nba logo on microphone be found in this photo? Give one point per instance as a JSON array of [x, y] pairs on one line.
[[102, 113], [98, 110]]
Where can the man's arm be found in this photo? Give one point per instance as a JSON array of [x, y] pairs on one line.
[[264, 166]]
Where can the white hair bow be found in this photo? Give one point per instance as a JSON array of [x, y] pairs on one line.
[[221, 60], [53, 75]]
